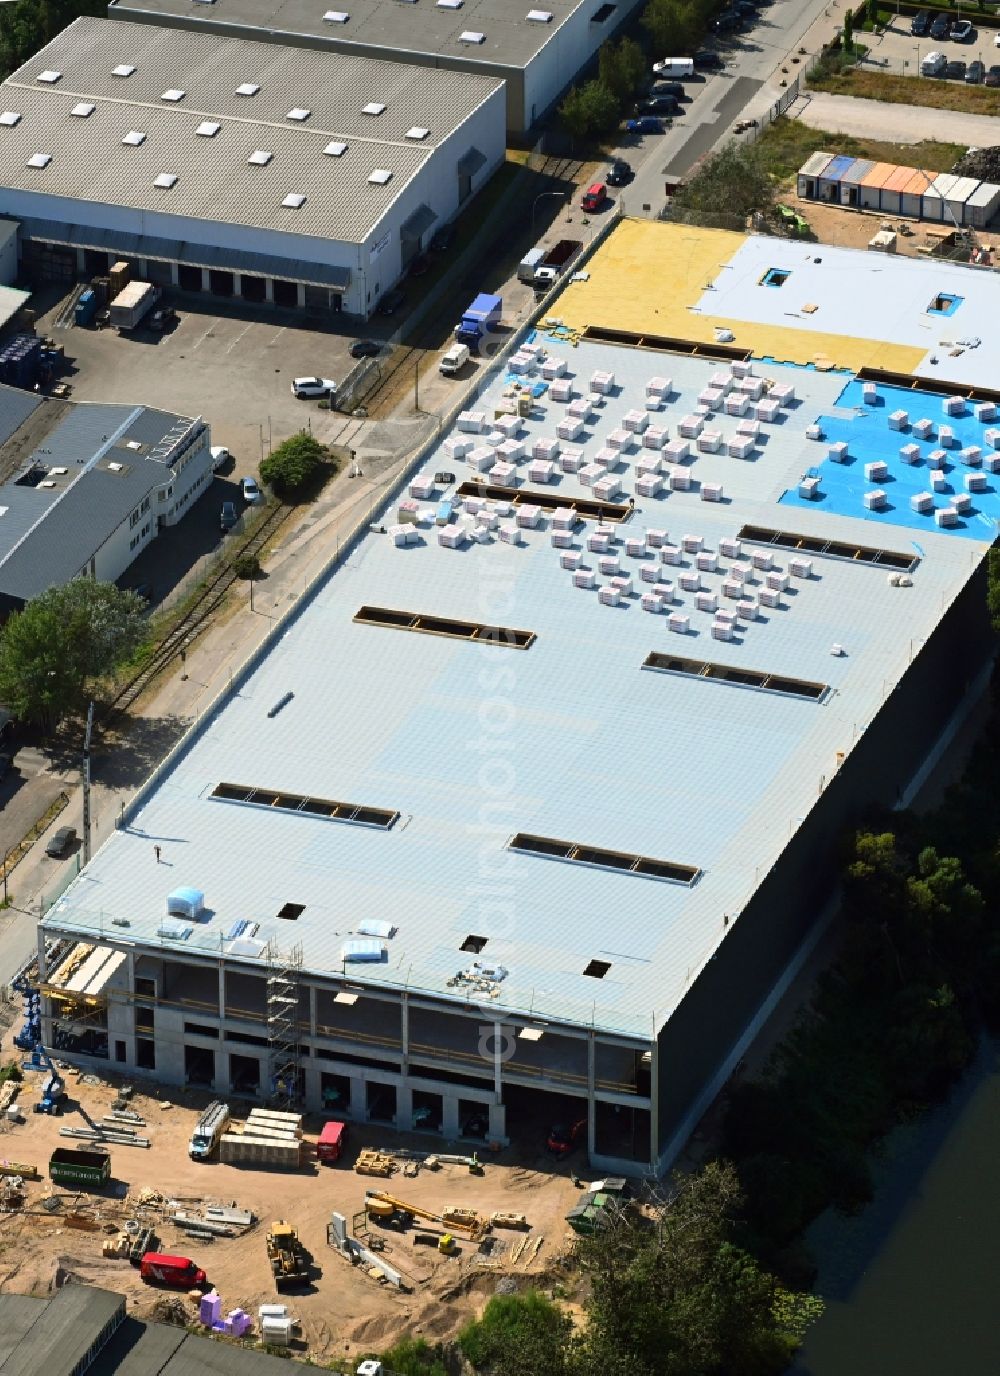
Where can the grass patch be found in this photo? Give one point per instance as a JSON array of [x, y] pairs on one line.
[[787, 143], [908, 90]]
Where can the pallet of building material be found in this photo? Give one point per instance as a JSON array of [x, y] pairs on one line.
[[208, 1225], [84, 1222], [507, 1220], [374, 1163], [237, 1218], [24, 1169]]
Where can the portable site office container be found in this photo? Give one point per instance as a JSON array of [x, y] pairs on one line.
[[892, 189], [911, 197], [828, 184], [870, 190], [982, 205], [809, 174], [850, 182]]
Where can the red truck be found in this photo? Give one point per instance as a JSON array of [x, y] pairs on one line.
[[331, 1142], [157, 1268]]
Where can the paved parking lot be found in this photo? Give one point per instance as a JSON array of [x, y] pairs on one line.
[[234, 369], [901, 53]]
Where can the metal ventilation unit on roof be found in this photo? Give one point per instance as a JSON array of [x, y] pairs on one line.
[[374, 107], [295, 200], [417, 133], [470, 36], [336, 149], [173, 94], [208, 128], [373, 926], [83, 109], [39, 159], [336, 17], [165, 180], [450, 4], [134, 137], [260, 158], [50, 78], [540, 16], [10, 118], [123, 69], [380, 176], [248, 88], [362, 949], [298, 113]]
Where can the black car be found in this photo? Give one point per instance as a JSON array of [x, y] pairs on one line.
[[443, 239], [668, 88], [975, 73], [60, 842], [391, 302], [365, 348], [658, 105], [954, 71], [940, 26], [746, 9], [707, 59], [920, 23], [619, 173], [992, 77]]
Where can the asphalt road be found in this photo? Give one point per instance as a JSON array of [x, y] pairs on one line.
[[895, 123]]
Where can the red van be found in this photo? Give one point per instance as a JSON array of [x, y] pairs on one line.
[[331, 1142], [594, 196], [156, 1268]]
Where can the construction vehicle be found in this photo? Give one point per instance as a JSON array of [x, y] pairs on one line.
[[53, 1086], [381, 1205], [180, 1273], [286, 1255], [207, 1131]]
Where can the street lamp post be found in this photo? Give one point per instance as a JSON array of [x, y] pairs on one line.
[[562, 195]]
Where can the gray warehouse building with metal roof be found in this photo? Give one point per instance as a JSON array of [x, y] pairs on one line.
[[537, 52], [91, 485], [239, 168]]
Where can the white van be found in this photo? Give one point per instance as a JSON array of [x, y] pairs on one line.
[[933, 64], [454, 360], [675, 68], [529, 265]]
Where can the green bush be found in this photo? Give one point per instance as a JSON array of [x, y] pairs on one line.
[[246, 566], [518, 1334], [295, 466]]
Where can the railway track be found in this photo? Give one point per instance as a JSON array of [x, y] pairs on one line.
[[180, 635]]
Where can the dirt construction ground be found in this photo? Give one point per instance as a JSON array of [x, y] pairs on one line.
[[342, 1310]]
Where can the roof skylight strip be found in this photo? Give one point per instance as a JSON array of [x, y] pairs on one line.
[[622, 861], [477, 631], [357, 813], [736, 674], [588, 508], [831, 549]]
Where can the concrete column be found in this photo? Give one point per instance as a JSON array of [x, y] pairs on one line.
[[81, 262], [450, 1126], [221, 1084], [269, 289], [300, 288], [313, 1093], [404, 1023], [654, 1105], [591, 1085], [404, 1108], [175, 274], [359, 1104], [312, 1011], [205, 285], [498, 1123], [222, 993]]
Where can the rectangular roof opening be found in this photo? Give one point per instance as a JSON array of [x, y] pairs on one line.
[[597, 969], [289, 912], [478, 631], [832, 549], [358, 813], [736, 674], [589, 508], [596, 856], [473, 944]]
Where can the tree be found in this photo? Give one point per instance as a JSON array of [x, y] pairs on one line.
[[733, 181], [674, 25], [70, 635], [518, 1334], [622, 68], [871, 12], [589, 109], [849, 32], [413, 1357], [295, 465]]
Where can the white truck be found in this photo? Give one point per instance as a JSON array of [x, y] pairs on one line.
[[132, 304], [207, 1131], [454, 360]]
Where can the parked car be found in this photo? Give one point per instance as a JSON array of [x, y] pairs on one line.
[[312, 387], [668, 88], [595, 196], [564, 1137], [391, 301], [746, 10], [996, 39], [992, 77], [644, 124], [221, 457], [365, 348], [227, 516], [961, 31], [975, 72], [443, 239], [707, 59], [658, 105], [920, 24], [726, 22], [60, 841], [162, 319], [940, 27], [251, 491], [619, 173], [955, 71]]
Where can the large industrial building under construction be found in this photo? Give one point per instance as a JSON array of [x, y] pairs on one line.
[[531, 808]]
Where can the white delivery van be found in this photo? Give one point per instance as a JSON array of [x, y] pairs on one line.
[[676, 68], [933, 64], [454, 360], [529, 265]]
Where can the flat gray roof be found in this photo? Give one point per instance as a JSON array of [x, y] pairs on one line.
[[51, 525], [63, 1330], [424, 29], [569, 739], [214, 179]]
